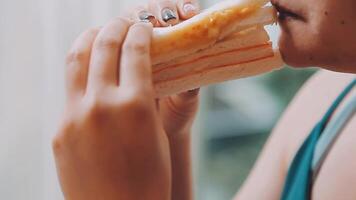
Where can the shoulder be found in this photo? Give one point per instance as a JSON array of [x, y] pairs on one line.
[[308, 107]]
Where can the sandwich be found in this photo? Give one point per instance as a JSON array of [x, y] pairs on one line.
[[225, 42]]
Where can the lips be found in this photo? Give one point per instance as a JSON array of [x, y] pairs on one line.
[[285, 13]]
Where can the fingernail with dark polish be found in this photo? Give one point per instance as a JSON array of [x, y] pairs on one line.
[[168, 15], [145, 16], [189, 8]]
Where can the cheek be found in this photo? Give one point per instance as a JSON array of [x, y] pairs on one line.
[[338, 37], [327, 40]]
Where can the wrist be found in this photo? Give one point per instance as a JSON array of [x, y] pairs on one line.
[[179, 136], [180, 151]]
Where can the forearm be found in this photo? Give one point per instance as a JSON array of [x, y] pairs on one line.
[[181, 167]]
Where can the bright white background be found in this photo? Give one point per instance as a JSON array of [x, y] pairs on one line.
[[34, 38]]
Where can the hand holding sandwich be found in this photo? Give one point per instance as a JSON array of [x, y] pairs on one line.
[[112, 144], [113, 141]]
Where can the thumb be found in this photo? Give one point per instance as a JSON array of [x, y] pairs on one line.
[[186, 103], [178, 111]]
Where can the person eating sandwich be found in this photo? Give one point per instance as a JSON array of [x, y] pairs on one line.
[[118, 141]]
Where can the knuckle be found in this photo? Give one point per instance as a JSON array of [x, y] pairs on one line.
[[79, 53], [96, 109], [59, 141], [107, 42], [76, 55], [144, 91], [57, 144], [136, 47], [135, 104]]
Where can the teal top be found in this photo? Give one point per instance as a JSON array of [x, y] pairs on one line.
[[307, 161]]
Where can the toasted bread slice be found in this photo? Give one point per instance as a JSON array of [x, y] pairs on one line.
[[217, 75], [225, 42]]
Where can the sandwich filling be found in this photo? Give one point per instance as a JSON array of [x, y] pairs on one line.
[[217, 45]]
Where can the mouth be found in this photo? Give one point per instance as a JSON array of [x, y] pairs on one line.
[[286, 13]]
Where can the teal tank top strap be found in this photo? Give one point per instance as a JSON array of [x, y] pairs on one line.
[[331, 133], [299, 178]]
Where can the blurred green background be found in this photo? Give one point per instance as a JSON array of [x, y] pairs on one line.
[[235, 121]]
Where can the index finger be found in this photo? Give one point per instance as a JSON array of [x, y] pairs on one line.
[[135, 67]]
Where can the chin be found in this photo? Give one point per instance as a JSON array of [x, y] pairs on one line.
[[314, 57], [293, 56]]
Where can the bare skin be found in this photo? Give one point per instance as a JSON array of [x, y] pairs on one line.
[[320, 33], [337, 177]]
